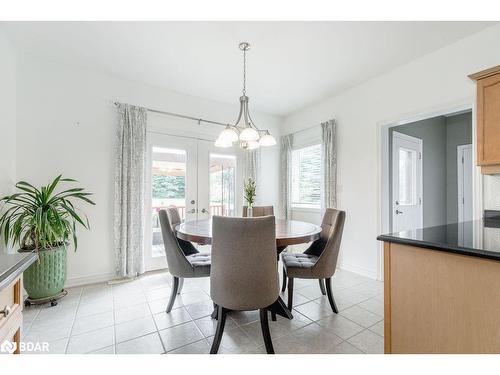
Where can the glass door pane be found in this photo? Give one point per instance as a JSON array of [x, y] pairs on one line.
[[168, 188], [407, 177], [222, 185], [220, 181], [171, 180]]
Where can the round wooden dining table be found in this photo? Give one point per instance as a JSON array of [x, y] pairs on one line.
[[288, 232]]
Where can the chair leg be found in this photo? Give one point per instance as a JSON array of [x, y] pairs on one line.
[[221, 314], [173, 294], [264, 324], [215, 312], [284, 280], [273, 316], [322, 286], [330, 295], [181, 284], [290, 293]]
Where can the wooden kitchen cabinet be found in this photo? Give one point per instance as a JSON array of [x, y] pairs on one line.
[[12, 267], [488, 119], [11, 314]]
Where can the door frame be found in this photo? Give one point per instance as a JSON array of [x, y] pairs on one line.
[[383, 221], [150, 263], [460, 178], [420, 142]]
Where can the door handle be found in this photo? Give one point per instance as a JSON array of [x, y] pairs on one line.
[[203, 211], [398, 212], [192, 211], [6, 311]]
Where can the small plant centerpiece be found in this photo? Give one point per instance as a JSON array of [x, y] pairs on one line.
[[43, 220], [250, 193]]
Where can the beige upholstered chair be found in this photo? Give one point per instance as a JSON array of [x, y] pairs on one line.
[[259, 211], [244, 273], [319, 260], [180, 265]]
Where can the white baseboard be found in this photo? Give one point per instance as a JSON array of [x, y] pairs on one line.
[[368, 272], [92, 279]]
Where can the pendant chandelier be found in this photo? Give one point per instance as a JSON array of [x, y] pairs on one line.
[[244, 131]]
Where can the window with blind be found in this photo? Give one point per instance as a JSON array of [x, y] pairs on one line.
[[306, 177]]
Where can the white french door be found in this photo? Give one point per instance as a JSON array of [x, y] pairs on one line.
[[407, 212], [220, 184], [193, 175]]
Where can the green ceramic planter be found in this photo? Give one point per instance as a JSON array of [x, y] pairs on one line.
[[46, 277]]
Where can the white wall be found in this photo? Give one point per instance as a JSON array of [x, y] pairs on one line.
[[7, 114], [7, 117], [66, 125], [435, 81]]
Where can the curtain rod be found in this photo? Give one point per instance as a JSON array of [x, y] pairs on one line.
[[305, 129], [199, 120]]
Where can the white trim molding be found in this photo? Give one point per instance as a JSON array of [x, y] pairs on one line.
[[91, 279]]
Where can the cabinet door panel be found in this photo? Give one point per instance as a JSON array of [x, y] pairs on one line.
[[488, 124]]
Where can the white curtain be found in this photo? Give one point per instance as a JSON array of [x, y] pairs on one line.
[[129, 190], [329, 162], [252, 170], [286, 176]]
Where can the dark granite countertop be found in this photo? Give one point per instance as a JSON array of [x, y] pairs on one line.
[[478, 238], [13, 265]]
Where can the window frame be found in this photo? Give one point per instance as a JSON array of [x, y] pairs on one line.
[[305, 207]]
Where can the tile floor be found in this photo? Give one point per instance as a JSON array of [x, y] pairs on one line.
[[130, 318]]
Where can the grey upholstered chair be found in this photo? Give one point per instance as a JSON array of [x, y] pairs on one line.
[[180, 265], [175, 219], [244, 274], [259, 211], [319, 260]]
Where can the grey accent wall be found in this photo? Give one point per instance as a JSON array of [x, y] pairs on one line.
[[440, 137], [458, 132], [432, 132]]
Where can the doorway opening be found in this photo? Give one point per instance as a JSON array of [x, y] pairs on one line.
[[430, 172]]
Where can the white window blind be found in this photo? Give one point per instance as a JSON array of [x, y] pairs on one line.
[[306, 177]]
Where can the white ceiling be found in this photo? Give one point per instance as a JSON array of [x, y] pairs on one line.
[[290, 65]]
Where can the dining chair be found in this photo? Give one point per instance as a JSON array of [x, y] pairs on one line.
[[180, 265], [258, 211], [319, 261], [244, 274], [175, 219]]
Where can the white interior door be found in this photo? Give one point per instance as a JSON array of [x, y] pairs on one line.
[[171, 180], [464, 174], [407, 212]]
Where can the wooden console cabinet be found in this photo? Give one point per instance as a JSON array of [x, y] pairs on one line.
[[488, 119]]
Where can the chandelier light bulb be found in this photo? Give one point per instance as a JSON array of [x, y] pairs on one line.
[[249, 134], [267, 140], [228, 135]]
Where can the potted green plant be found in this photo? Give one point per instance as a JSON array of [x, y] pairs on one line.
[[43, 220], [250, 193]]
